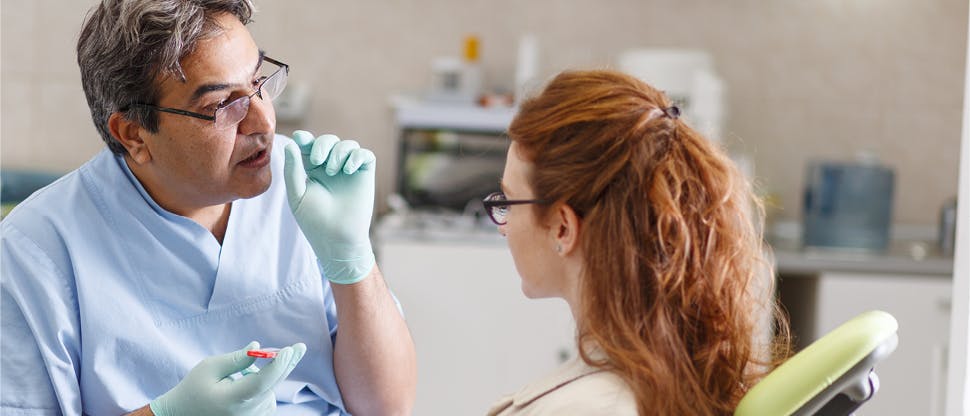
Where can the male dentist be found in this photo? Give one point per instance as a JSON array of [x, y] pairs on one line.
[[139, 282]]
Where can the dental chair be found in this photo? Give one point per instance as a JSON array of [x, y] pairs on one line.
[[832, 376]]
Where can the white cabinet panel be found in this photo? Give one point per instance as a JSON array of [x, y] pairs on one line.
[[912, 378], [477, 336]]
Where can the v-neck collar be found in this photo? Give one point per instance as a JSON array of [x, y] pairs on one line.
[[221, 256], [226, 289]]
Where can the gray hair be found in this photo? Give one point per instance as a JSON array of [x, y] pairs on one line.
[[126, 45]]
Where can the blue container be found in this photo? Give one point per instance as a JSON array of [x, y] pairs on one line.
[[848, 206]]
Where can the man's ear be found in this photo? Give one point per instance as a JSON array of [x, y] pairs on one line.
[[566, 226], [131, 135]]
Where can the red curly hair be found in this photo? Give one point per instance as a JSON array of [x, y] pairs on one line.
[[677, 289]]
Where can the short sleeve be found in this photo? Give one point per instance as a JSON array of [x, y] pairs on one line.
[[38, 344], [23, 389]]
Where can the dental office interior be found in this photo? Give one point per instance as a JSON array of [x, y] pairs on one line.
[[848, 115]]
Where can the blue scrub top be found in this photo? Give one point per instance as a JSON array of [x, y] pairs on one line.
[[108, 300]]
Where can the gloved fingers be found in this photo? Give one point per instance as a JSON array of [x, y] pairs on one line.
[[304, 140], [293, 173], [322, 147], [253, 385], [360, 159], [339, 155], [299, 350], [218, 367], [250, 370]]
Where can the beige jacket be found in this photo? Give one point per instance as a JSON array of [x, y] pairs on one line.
[[573, 389]]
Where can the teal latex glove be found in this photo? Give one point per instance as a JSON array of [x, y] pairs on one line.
[[330, 187], [208, 389]]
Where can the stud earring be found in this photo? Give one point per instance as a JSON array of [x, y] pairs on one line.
[[558, 248]]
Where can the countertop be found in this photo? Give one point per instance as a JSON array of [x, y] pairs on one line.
[[904, 257]]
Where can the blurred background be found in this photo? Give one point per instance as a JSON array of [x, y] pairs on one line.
[[803, 79], [795, 90]]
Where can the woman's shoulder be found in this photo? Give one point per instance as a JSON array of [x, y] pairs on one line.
[[602, 392], [574, 389]]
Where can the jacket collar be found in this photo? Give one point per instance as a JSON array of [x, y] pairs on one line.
[[567, 373]]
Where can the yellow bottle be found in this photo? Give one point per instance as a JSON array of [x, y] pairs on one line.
[[471, 77]]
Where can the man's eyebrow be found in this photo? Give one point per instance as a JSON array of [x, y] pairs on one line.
[[207, 88], [259, 63]]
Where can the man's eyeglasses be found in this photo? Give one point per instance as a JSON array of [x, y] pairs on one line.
[[231, 113], [497, 206]]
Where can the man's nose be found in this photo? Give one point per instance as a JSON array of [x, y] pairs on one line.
[[260, 119]]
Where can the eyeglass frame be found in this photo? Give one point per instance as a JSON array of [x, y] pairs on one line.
[[491, 204], [259, 93]]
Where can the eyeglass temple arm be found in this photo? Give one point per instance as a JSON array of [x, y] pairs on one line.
[[172, 110], [273, 61]]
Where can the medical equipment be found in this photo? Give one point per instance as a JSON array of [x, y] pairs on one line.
[[263, 353], [832, 376]]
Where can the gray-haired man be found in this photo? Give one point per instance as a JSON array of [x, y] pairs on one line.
[[127, 284]]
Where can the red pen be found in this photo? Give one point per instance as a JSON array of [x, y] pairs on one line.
[[263, 353]]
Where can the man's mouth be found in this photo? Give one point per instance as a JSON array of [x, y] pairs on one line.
[[254, 156], [257, 160]]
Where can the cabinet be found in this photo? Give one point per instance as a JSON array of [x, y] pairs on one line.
[[913, 378], [477, 336], [449, 156]]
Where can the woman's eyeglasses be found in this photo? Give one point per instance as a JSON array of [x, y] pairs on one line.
[[497, 206]]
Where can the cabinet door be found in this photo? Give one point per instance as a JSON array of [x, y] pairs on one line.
[[912, 379], [477, 336]]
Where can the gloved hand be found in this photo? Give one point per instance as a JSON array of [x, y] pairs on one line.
[[208, 389], [330, 187]]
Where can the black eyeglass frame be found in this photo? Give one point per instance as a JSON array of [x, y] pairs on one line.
[[212, 118], [491, 204]]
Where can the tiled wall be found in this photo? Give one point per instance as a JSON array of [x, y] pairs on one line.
[[806, 79]]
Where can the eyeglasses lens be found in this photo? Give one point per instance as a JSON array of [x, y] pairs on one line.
[[271, 87], [497, 212]]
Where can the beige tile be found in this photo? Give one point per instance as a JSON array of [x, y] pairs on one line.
[[17, 37], [56, 30], [64, 127], [16, 125], [916, 145]]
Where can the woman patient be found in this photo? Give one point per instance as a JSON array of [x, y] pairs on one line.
[[652, 237]]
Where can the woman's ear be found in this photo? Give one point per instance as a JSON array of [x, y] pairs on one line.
[[567, 226], [130, 135]]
